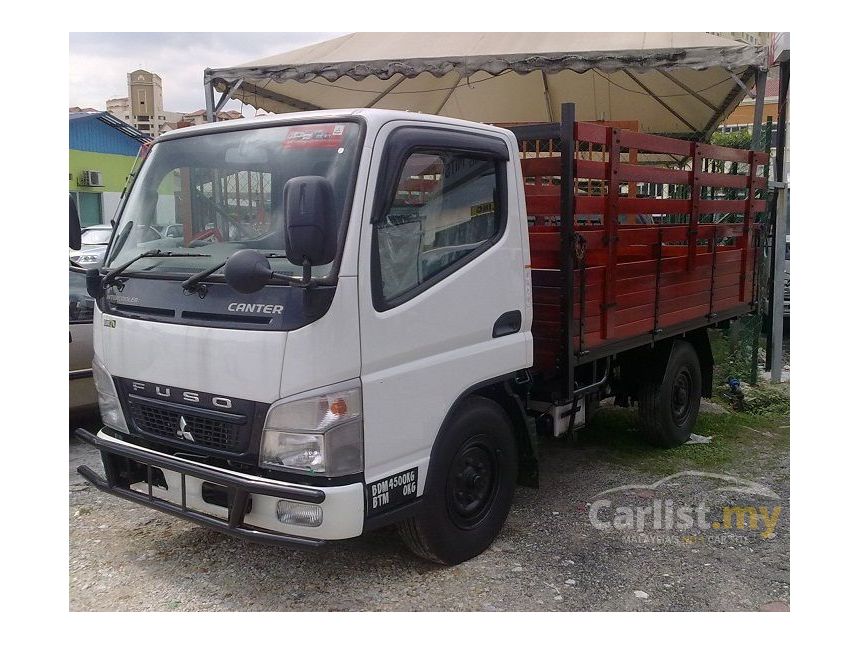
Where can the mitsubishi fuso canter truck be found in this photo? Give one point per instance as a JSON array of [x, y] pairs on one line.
[[365, 317]]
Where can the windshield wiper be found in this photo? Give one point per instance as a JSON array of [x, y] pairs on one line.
[[111, 275], [192, 283]]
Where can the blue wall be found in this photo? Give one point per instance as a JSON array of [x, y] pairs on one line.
[[89, 134]]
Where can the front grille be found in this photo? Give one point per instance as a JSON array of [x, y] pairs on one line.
[[208, 433]]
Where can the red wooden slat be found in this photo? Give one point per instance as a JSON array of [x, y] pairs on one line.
[[590, 132], [723, 180], [588, 169], [590, 205], [541, 167], [653, 174], [655, 143], [542, 204], [709, 206], [543, 190], [723, 154], [646, 205]]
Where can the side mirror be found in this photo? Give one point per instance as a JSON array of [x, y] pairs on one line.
[[94, 283], [310, 221], [74, 226], [247, 271]]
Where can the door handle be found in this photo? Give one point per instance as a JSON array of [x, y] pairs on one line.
[[508, 323]]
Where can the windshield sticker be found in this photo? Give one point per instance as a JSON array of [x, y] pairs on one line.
[[322, 135]]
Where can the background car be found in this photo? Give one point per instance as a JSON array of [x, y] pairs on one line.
[[94, 241], [172, 231]]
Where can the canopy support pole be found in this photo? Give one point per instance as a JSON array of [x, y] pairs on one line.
[[688, 90], [226, 96], [741, 84], [547, 97], [448, 96], [661, 101], [760, 84], [385, 93]]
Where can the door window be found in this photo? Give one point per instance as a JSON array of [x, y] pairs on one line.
[[445, 212]]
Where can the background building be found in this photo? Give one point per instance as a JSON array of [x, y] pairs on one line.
[[198, 117], [143, 108], [102, 150]]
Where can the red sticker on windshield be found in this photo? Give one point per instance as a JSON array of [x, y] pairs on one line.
[[323, 135]]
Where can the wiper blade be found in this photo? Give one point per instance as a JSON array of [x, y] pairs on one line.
[[111, 275], [191, 284]]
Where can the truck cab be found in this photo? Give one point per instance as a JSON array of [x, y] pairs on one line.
[[336, 341]]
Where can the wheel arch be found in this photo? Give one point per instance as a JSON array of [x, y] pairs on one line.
[[651, 361], [505, 391]]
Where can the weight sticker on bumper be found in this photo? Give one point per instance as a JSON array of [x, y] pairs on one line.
[[391, 492]]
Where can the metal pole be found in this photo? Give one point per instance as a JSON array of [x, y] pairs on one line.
[[778, 300], [779, 172], [209, 91], [760, 85], [756, 144]]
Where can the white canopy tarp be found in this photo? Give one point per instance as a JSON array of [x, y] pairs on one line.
[[675, 83]]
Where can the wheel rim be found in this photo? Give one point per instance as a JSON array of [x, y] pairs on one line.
[[681, 400], [472, 483]]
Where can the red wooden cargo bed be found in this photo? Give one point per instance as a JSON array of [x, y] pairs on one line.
[[660, 250]]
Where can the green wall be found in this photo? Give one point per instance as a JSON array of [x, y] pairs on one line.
[[114, 169]]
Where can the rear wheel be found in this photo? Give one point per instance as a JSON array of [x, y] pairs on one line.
[[669, 407], [469, 488]]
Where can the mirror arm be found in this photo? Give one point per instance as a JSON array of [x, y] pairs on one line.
[[306, 281]]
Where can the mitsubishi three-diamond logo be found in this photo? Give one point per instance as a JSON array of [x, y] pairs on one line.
[[182, 433]]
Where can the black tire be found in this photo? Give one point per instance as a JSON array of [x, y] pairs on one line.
[[669, 407], [470, 485]]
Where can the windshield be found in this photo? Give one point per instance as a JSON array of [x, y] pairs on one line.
[[214, 194], [96, 236]]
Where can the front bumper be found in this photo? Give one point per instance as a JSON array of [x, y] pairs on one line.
[[250, 509]]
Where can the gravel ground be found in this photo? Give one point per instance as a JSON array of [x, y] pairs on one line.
[[548, 556]]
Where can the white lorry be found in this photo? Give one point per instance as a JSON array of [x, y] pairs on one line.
[[342, 338]]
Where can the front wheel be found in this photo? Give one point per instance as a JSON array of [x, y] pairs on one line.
[[470, 485], [669, 407]]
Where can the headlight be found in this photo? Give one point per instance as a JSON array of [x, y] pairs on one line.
[[109, 406], [318, 435]]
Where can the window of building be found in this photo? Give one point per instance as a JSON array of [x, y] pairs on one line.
[[444, 213], [89, 207]]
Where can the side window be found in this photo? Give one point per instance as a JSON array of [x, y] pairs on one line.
[[445, 211], [80, 303]]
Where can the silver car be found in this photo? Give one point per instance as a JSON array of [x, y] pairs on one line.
[[94, 241]]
